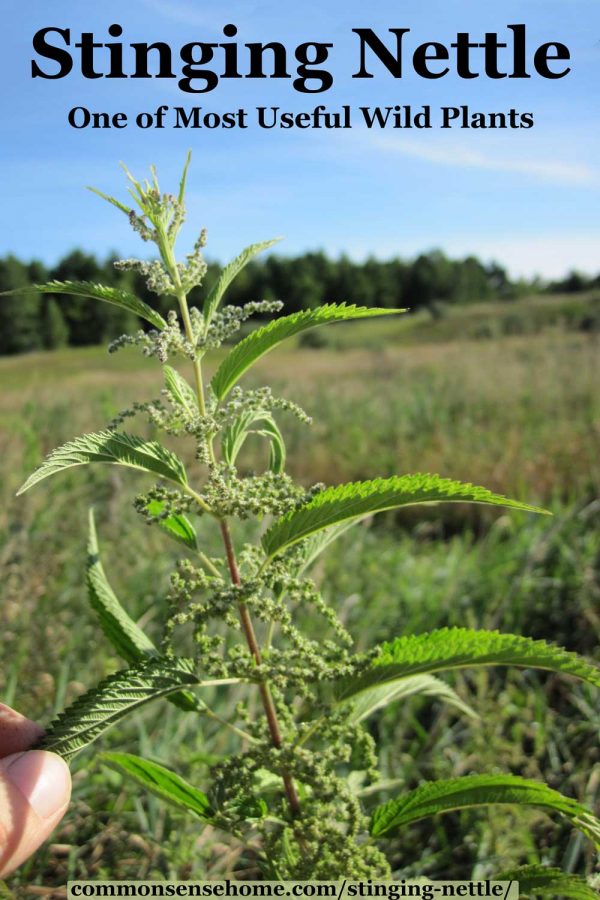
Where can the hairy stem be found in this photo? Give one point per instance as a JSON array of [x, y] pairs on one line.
[[265, 693], [245, 618]]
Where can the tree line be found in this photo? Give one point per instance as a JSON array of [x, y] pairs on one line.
[[33, 322]]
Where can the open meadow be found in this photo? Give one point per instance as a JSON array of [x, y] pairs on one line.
[[513, 407]]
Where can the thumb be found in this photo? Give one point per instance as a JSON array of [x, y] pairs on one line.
[[35, 788]]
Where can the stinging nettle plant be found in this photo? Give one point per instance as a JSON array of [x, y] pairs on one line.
[[290, 791]]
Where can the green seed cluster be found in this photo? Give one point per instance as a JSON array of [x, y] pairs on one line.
[[230, 319], [169, 342], [160, 502], [256, 495], [327, 839], [316, 744]]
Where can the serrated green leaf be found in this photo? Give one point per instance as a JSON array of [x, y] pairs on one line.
[[434, 797], [111, 200], [542, 881], [270, 430], [124, 634], [126, 637], [265, 339], [115, 296], [357, 500], [235, 435], [161, 781], [458, 648], [313, 546], [365, 703], [176, 525], [231, 271], [113, 447], [182, 183], [113, 699], [180, 391]]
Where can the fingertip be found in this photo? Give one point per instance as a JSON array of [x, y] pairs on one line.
[[44, 780], [35, 789], [16, 732]]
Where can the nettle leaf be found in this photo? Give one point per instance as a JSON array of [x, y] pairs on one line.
[[459, 648], [114, 295], [126, 637], [124, 634], [176, 525], [113, 699], [544, 881], [234, 437], [365, 703], [262, 340], [313, 546], [111, 447], [434, 797], [180, 391], [359, 499], [231, 271], [112, 200], [182, 182], [161, 781]]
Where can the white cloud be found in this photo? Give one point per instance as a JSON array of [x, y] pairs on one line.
[[550, 256], [451, 153]]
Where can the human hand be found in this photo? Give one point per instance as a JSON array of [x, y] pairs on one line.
[[35, 789]]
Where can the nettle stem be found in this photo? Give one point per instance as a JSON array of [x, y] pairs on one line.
[[245, 618], [265, 693]]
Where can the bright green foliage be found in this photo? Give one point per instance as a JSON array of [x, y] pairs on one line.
[[434, 797], [179, 390], [288, 790], [161, 781], [213, 299], [114, 295], [366, 702], [126, 637], [543, 881], [176, 526], [124, 634], [257, 422], [360, 499], [111, 447], [261, 341], [459, 648], [113, 699]]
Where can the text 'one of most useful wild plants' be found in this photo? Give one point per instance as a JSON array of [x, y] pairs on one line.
[[298, 788]]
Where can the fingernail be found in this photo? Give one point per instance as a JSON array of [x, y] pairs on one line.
[[43, 778]]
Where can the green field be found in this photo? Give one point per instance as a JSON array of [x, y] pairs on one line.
[[514, 406]]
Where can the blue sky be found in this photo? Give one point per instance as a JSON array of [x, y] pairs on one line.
[[528, 198]]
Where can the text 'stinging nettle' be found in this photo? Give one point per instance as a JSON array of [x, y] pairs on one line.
[[200, 65]]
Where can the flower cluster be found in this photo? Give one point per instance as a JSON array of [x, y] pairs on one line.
[[161, 503], [161, 344], [227, 322], [157, 278], [300, 648]]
